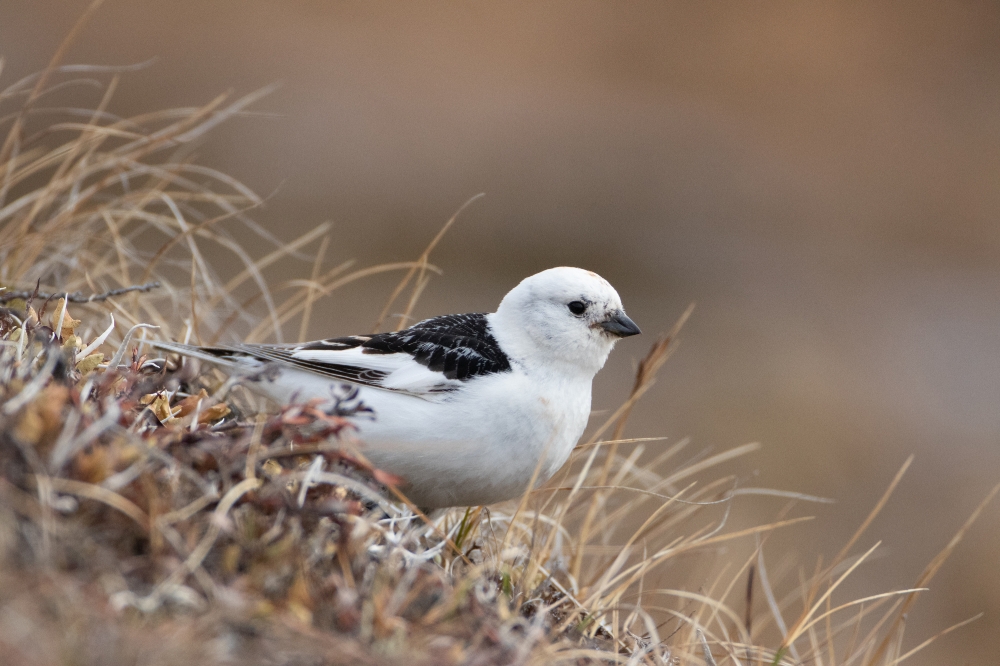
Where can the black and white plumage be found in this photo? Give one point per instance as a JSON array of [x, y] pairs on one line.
[[459, 347], [465, 407]]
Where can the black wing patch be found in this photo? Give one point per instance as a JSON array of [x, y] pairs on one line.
[[458, 346]]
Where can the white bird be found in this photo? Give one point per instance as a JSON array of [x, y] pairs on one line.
[[465, 407]]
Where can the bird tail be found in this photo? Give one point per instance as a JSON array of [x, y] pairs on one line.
[[217, 355]]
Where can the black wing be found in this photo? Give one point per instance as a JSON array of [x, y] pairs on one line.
[[458, 346]]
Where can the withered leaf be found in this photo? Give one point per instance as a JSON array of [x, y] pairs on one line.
[[213, 413], [89, 363], [190, 403], [69, 324], [272, 468], [159, 404]]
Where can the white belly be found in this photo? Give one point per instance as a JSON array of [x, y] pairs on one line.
[[479, 445]]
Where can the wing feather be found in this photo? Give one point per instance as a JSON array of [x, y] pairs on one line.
[[436, 355]]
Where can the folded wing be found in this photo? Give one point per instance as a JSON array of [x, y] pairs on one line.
[[434, 356]]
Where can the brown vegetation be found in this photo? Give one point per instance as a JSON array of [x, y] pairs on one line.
[[154, 512]]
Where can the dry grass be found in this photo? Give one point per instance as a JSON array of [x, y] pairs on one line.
[[154, 514]]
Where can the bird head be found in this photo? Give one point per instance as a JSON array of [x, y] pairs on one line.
[[568, 316]]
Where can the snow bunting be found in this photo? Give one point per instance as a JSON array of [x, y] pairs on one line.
[[464, 407]]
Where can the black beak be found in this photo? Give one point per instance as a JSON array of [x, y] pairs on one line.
[[619, 324]]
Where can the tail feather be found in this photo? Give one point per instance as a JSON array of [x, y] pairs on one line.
[[217, 355]]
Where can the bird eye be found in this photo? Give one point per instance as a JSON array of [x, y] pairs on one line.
[[577, 307]]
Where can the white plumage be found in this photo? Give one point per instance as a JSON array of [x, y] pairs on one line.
[[464, 406]]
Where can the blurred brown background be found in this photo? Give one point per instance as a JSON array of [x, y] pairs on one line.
[[822, 178]]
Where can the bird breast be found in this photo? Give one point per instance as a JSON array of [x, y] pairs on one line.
[[478, 445]]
